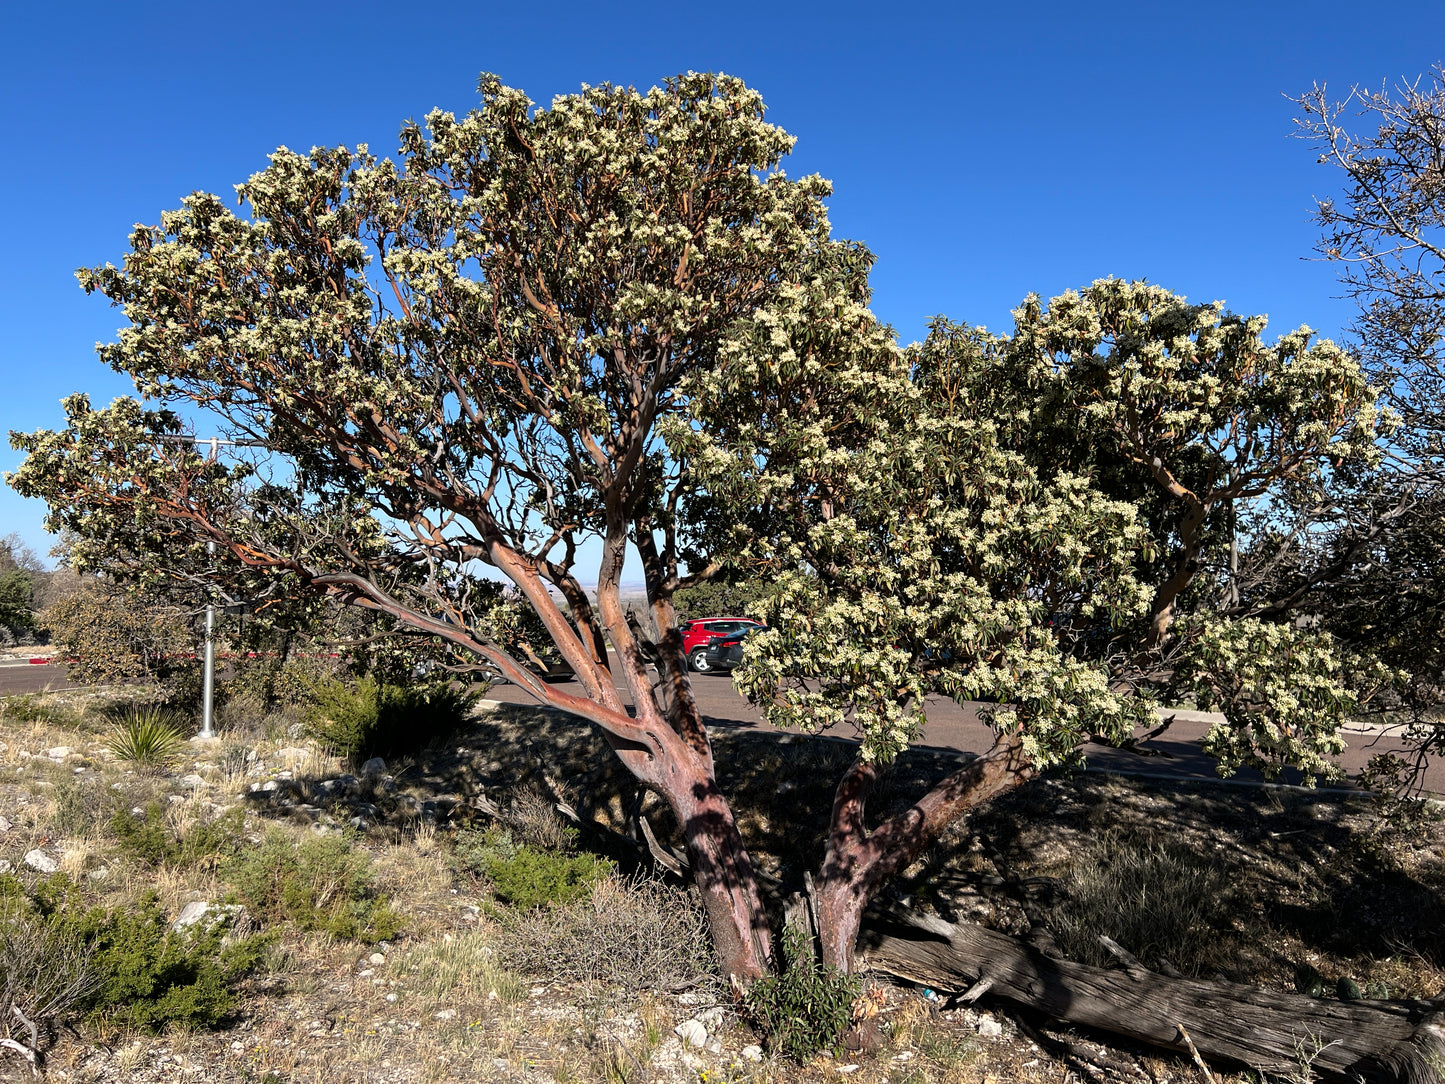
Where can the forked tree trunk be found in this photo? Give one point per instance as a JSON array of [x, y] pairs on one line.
[[858, 862], [1287, 1034]]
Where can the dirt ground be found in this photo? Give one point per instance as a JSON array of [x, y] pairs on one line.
[[1257, 886]]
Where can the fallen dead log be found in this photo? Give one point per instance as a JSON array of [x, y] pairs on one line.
[[1375, 1041]]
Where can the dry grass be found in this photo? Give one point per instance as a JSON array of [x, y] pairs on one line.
[[636, 934], [459, 969], [324, 1012]]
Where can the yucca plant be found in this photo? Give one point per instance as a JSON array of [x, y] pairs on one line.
[[150, 738]]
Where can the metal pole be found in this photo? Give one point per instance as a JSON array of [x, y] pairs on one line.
[[208, 729], [208, 695]]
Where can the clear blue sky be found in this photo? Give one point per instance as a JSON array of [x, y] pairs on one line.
[[983, 151]]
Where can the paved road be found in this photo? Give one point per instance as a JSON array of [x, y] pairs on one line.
[[22, 676], [1176, 753]]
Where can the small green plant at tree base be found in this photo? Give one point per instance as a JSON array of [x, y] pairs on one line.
[[528, 877], [154, 841], [321, 883], [150, 738], [370, 718], [805, 1006]]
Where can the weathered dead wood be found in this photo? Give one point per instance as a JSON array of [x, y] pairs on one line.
[[1384, 1041]]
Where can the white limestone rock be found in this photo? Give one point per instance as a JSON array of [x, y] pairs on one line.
[[692, 1032], [39, 860]]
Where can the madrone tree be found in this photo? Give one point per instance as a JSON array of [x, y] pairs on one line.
[[615, 319], [915, 556], [1231, 449]]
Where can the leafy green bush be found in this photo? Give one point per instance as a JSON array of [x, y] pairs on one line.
[[321, 883], [108, 633], [150, 738], [527, 877], [151, 977], [26, 708], [371, 719], [153, 840], [805, 1006], [138, 972], [272, 681]]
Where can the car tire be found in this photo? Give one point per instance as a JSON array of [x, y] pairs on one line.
[[698, 660]]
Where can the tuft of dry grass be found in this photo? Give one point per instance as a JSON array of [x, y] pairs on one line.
[[461, 968], [1159, 900], [637, 933]]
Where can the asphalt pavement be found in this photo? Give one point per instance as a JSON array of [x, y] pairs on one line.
[[1175, 754], [21, 675]]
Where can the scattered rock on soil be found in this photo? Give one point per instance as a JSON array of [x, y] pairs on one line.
[[39, 860], [202, 913], [692, 1032]]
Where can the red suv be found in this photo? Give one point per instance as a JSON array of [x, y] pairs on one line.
[[696, 635]]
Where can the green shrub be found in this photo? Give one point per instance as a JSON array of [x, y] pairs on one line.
[[150, 738], [371, 719], [805, 1006], [107, 634], [139, 973], [26, 708], [154, 841], [269, 682], [527, 877], [151, 977], [321, 883]]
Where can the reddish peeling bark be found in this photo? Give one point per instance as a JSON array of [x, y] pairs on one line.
[[858, 862], [722, 871], [682, 771], [674, 760]]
